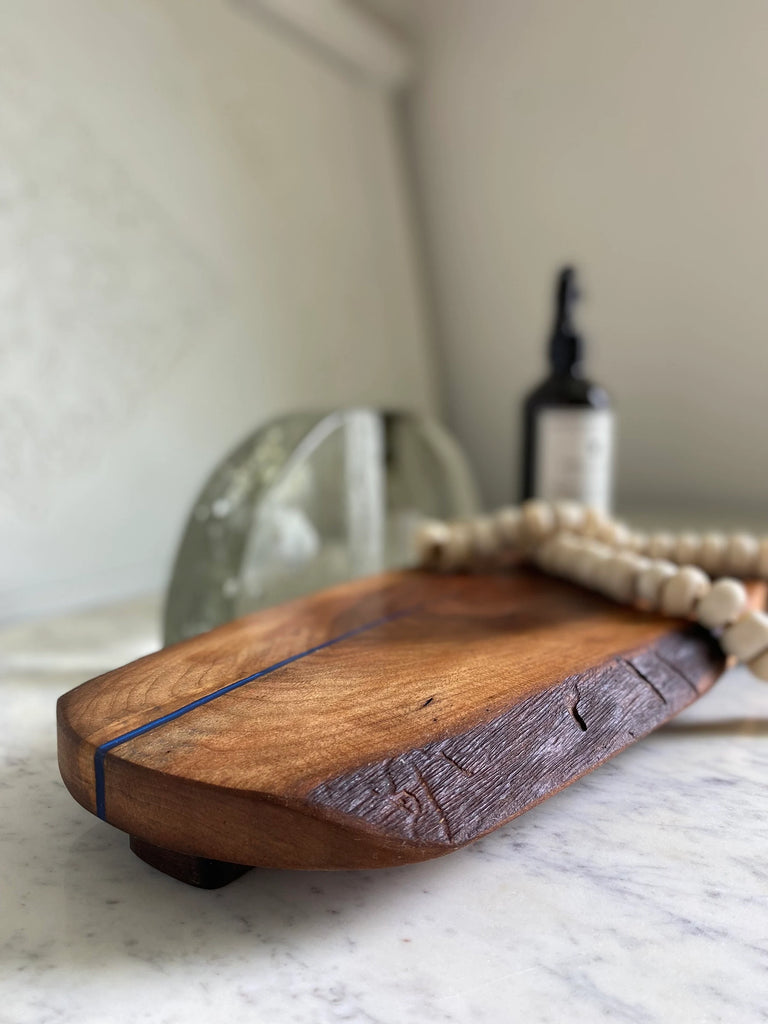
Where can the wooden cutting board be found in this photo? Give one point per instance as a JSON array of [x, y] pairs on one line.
[[381, 722]]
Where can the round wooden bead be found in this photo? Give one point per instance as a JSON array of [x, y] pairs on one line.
[[569, 515], [587, 565], [741, 555], [594, 522], [682, 591], [759, 666], [687, 549], [613, 533], [604, 531], [747, 637], [660, 545], [457, 551], [599, 578], [618, 576], [508, 524], [762, 559], [538, 520], [638, 542], [723, 604], [432, 536], [483, 539], [548, 555], [712, 554], [569, 548], [579, 550], [650, 581]]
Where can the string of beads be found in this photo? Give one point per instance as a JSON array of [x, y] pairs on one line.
[[684, 575]]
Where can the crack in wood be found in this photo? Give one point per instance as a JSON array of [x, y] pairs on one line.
[[677, 671], [574, 709], [436, 804], [641, 675], [464, 771]]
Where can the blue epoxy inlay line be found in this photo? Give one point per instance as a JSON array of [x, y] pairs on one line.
[[103, 750]]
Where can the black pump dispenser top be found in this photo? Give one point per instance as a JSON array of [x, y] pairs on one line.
[[566, 348]]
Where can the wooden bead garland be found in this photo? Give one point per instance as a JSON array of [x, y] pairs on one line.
[[661, 572], [722, 605]]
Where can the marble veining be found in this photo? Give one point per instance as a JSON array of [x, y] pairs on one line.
[[639, 894]]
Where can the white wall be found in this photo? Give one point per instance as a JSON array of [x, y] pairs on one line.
[[630, 136], [202, 224]]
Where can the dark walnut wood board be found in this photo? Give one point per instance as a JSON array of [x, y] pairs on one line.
[[382, 722]]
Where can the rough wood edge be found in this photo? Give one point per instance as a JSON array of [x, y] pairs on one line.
[[453, 791]]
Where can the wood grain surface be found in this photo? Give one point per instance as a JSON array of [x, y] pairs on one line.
[[384, 721]]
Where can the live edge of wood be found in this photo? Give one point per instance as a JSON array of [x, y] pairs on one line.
[[400, 743]]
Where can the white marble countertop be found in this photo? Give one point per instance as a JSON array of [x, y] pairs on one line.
[[639, 894]]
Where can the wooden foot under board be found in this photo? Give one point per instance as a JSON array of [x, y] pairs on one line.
[[199, 871]]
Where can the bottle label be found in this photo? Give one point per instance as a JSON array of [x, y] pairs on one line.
[[574, 456]]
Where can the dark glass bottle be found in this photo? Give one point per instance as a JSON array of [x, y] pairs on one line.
[[568, 423]]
